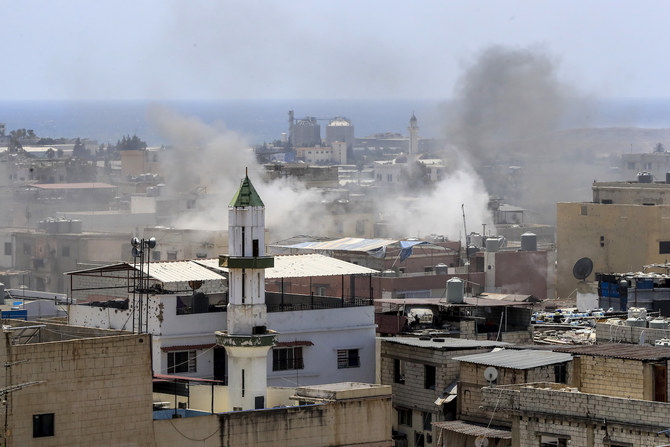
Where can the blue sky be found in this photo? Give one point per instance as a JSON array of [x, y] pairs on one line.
[[195, 49]]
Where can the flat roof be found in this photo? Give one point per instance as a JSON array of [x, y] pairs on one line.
[[302, 266], [517, 359], [444, 343]]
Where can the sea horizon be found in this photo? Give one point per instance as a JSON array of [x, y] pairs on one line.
[[259, 121]]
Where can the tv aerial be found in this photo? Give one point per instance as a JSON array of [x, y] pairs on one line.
[[582, 268]]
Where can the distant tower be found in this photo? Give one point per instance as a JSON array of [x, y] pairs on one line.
[[413, 137], [291, 123], [247, 340]]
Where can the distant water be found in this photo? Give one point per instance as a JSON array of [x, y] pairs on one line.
[[264, 121]]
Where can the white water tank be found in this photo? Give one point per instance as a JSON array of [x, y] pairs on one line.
[[455, 291]]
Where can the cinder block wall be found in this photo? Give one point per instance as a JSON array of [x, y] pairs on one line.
[[99, 390]]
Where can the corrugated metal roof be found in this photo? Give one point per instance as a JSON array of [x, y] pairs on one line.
[[620, 351], [302, 266], [516, 359], [472, 429], [345, 244], [180, 271], [447, 343]]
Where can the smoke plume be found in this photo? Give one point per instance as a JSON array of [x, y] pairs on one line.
[[508, 119]]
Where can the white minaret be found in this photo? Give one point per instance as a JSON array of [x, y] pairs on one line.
[[413, 138], [247, 340]]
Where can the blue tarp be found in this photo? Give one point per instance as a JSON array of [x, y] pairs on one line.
[[406, 248]]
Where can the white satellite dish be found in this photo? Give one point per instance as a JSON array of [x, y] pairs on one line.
[[490, 374], [482, 441]]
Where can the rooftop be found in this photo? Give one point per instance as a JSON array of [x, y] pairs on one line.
[[516, 359], [444, 343], [302, 266], [620, 351]]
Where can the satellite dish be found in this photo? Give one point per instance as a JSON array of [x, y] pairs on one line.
[[482, 441], [582, 268], [136, 252], [490, 374]]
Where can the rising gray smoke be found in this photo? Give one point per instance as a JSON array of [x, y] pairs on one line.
[[508, 117]]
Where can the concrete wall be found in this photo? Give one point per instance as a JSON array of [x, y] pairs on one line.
[[328, 330], [625, 378], [354, 422], [472, 381], [584, 419], [99, 390], [412, 394], [580, 227]]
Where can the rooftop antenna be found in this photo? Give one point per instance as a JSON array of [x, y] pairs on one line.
[[582, 268]]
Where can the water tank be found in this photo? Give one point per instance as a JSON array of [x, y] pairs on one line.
[[63, 226], [636, 322], [645, 177], [658, 323], [76, 226], [637, 312], [455, 291], [528, 242], [441, 269], [492, 244]]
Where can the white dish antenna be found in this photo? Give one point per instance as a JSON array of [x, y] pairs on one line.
[[490, 374]]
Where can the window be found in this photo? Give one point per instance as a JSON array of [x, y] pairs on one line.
[[404, 416], [65, 252], [418, 439], [172, 255], [348, 358], [606, 201], [560, 374], [553, 441], [427, 421], [181, 362], [43, 425], [429, 377], [583, 210], [8, 248], [287, 358], [156, 255], [26, 248], [664, 247], [398, 371]]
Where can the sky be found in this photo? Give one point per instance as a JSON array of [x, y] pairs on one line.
[[308, 49]]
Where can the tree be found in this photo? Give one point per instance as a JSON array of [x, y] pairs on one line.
[[51, 153], [128, 143], [79, 150], [659, 147]]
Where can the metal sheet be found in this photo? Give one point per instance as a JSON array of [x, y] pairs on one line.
[[517, 359]]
